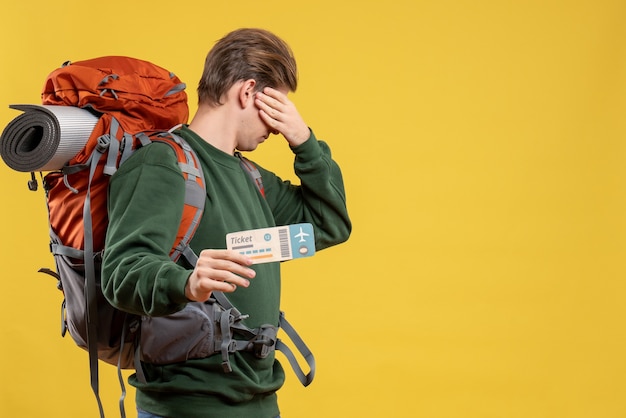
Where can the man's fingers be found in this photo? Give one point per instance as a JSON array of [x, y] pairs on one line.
[[218, 270], [281, 115], [274, 97], [207, 285], [223, 258], [273, 112], [270, 121], [203, 282], [237, 277]]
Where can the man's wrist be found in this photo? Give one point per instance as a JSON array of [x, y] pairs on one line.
[[300, 139]]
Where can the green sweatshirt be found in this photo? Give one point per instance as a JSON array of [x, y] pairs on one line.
[[145, 207]]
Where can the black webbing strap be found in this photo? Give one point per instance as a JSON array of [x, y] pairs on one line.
[[302, 348], [293, 335], [90, 276], [119, 368]]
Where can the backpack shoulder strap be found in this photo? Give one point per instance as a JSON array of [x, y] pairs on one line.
[[195, 191], [252, 171]]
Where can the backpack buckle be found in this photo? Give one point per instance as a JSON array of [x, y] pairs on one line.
[[265, 341], [103, 143]]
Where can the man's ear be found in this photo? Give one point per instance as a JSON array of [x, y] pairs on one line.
[[246, 92]]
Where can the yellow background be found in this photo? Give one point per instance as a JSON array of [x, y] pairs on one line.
[[482, 144]]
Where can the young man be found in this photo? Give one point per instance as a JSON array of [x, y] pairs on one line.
[[242, 100]]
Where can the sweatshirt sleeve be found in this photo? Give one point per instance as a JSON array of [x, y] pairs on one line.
[[320, 199], [145, 207]]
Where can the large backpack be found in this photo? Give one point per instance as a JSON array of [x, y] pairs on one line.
[[136, 103]]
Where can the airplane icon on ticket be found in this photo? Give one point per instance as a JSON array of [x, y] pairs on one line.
[[301, 235]]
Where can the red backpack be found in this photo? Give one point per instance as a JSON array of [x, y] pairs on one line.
[[137, 102], [133, 96]]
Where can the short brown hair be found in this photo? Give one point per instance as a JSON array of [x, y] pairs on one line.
[[247, 54]]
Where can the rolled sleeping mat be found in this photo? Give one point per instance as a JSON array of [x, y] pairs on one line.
[[45, 137]]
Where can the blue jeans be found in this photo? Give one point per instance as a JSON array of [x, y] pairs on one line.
[[143, 414]]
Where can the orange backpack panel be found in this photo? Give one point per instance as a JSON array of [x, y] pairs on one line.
[[131, 96]]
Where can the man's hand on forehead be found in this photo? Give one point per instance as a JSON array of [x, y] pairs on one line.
[[280, 114]]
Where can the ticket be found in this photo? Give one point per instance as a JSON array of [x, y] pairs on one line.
[[278, 243]]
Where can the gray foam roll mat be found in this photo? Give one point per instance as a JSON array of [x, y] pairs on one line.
[[45, 138]]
